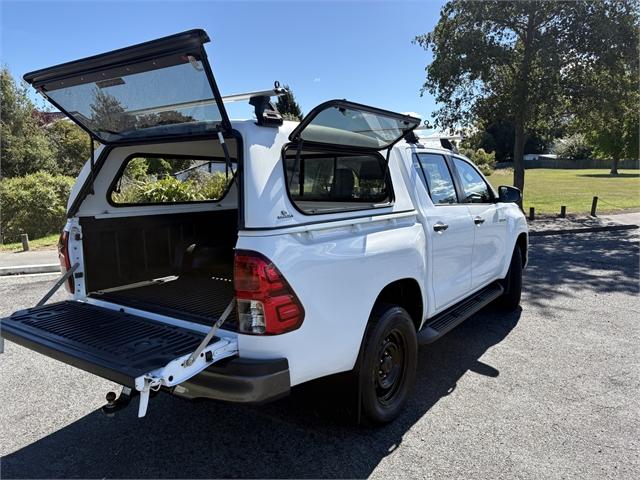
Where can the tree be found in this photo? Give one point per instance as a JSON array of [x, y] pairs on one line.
[[24, 147], [288, 107], [518, 60], [606, 108], [108, 114], [70, 145]]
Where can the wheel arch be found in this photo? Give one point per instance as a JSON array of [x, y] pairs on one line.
[[405, 293], [522, 242]]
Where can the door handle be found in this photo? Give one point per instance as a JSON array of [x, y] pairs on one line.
[[478, 220], [440, 227]]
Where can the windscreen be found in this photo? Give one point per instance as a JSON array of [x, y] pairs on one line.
[[155, 97]]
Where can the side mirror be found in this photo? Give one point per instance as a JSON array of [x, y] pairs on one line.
[[507, 194]]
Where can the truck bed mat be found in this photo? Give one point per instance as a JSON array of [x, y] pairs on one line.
[[196, 299]]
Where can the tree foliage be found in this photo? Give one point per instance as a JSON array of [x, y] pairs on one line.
[[35, 204], [605, 99], [24, 147], [522, 61], [70, 146], [288, 106]]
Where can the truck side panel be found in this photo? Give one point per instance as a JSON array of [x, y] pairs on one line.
[[337, 273]]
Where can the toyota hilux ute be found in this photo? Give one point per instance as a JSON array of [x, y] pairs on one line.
[[233, 260]]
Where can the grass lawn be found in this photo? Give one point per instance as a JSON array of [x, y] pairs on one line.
[[547, 189], [50, 241]]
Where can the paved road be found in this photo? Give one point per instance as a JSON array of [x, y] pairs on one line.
[[32, 257], [548, 392]]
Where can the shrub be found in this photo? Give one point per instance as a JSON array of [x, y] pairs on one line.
[[486, 162], [574, 147], [168, 189], [35, 204]]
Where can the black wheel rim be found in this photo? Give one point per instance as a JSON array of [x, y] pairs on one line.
[[390, 366]]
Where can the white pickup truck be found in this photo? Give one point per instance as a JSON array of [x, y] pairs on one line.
[[337, 244]]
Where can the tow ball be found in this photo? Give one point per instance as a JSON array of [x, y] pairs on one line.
[[115, 404]]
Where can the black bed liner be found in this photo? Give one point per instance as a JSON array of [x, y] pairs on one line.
[[197, 299], [112, 344]]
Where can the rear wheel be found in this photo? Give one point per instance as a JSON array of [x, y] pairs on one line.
[[512, 283], [388, 367]]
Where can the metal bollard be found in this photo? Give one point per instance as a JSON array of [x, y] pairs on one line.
[[532, 213], [563, 211], [25, 242], [594, 206]]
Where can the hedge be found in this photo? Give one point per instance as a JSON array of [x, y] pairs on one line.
[[34, 204]]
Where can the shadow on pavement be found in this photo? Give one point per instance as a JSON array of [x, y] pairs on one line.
[[577, 265], [299, 436], [295, 437]]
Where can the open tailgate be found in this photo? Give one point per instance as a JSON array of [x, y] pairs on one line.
[[136, 352]]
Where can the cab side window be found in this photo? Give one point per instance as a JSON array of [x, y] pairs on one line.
[[437, 176], [475, 188]]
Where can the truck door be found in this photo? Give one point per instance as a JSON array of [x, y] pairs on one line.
[[450, 230], [489, 221]]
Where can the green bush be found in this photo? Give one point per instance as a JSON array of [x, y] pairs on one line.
[[148, 189], [574, 147], [486, 162], [35, 204]]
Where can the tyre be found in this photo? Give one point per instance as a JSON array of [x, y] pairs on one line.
[[512, 283], [388, 367]]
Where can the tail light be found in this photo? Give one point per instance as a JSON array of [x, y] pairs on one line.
[[267, 304], [65, 261]]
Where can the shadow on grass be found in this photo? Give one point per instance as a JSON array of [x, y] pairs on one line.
[[607, 175]]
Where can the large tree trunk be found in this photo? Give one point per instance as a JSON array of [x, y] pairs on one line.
[[518, 155], [614, 166]]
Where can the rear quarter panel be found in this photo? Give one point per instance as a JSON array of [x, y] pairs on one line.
[[337, 273]]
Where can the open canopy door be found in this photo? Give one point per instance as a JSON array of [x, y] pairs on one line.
[[160, 88], [348, 124]]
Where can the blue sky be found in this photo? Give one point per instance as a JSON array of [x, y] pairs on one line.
[[357, 50]]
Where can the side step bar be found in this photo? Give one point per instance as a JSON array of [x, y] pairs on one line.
[[449, 319]]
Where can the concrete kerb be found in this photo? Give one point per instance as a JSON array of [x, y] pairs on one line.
[[608, 228], [29, 269]]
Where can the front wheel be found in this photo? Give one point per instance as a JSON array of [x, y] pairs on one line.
[[388, 368], [512, 283]]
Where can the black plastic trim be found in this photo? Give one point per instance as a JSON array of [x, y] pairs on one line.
[[240, 380], [188, 40]]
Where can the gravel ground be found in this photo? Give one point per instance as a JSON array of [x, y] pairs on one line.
[[550, 391]]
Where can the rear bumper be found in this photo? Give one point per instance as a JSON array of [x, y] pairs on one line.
[[239, 380]]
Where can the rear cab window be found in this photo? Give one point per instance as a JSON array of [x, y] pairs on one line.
[[324, 182], [335, 161], [165, 179]]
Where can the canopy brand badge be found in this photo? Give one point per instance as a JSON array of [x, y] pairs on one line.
[[284, 214]]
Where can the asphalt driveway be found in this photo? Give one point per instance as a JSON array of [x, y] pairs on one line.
[[550, 391]]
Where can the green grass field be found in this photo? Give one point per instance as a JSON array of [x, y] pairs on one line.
[[50, 241], [547, 189]]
